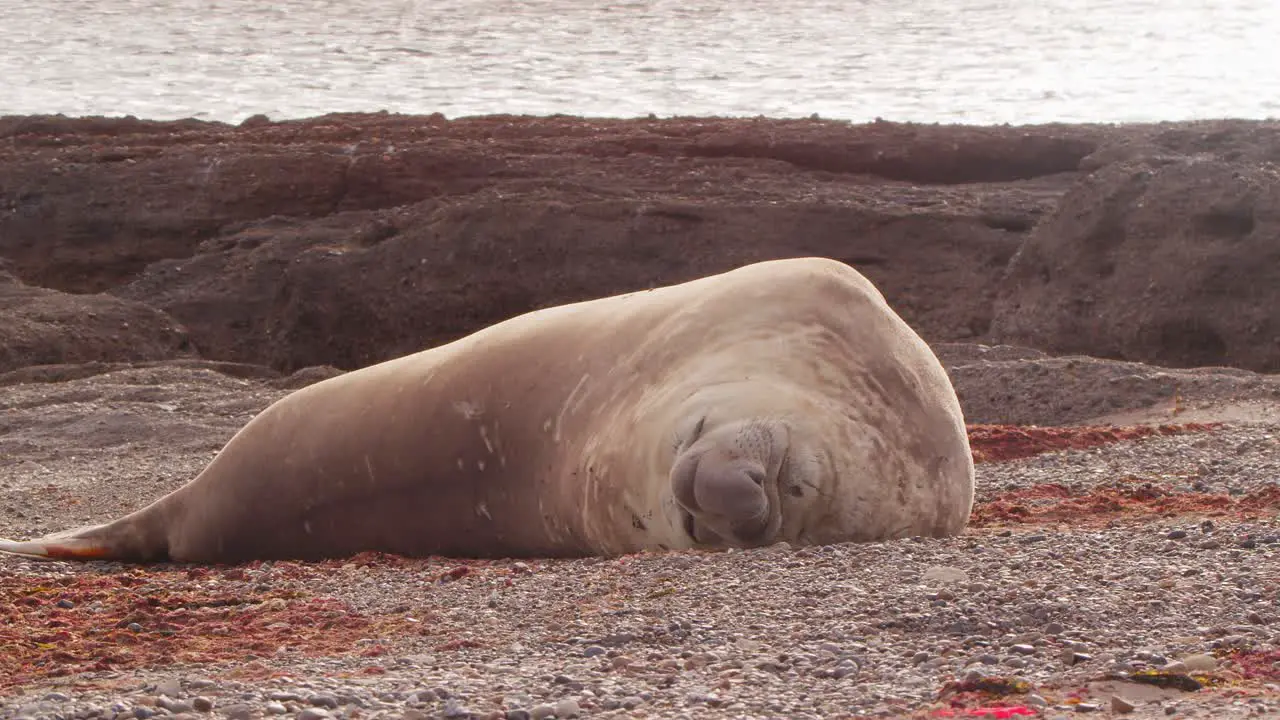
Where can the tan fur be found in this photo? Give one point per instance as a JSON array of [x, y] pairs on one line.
[[555, 433]]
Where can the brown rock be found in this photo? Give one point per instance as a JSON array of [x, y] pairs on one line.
[[350, 238], [43, 327], [361, 287], [1174, 263], [1121, 705]]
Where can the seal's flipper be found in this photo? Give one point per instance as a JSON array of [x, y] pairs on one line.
[[54, 547]]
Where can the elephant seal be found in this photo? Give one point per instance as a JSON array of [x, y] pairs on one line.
[[782, 400]]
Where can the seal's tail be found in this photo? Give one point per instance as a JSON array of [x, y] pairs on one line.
[[74, 545]]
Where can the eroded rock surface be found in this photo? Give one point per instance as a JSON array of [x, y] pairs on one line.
[[40, 326], [1172, 261], [348, 239]]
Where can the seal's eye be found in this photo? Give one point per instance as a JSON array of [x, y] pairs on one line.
[[683, 443], [697, 429]]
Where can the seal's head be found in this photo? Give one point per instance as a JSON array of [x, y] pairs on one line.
[[725, 480]]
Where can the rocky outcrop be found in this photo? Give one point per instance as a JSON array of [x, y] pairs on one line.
[[1172, 261], [384, 283], [42, 327], [347, 239]]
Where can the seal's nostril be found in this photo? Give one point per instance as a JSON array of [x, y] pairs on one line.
[[757, 476]]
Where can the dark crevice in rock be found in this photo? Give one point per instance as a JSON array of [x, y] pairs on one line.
[[981, 161]]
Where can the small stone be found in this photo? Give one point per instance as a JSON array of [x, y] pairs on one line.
[[65, 604], [325, 701], [56, 697], [1088, 707], [518, 714], [1023, 649], [1176, 534], [567, 708], [593, 650], [202, 704], [142, 712], [1200, 663], [453, 709], [1177, 666], [1015, 662], [313, 713], [945, 574], [1053, 628], [169, 686], [176, 707], [1256, 618], [540, 712], [412, 714], [919, 657], [238, 712], [1036, 700], [1071, 657], [631, 702], [284, 696], [1121, 705], [275, 708]]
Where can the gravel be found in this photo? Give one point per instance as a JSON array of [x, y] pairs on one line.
[[1070, 608]]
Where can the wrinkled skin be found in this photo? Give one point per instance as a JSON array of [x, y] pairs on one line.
[[726, 479]]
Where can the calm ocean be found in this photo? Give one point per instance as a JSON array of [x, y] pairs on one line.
[[982, 61]]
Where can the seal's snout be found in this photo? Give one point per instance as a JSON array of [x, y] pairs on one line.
[[724, 495], [732, 490]]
